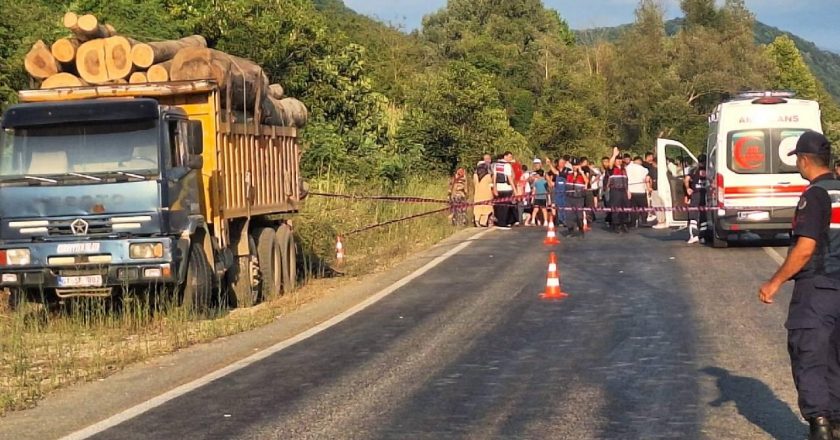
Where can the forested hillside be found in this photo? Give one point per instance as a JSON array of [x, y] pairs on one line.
[[479, 76], [825, 64]]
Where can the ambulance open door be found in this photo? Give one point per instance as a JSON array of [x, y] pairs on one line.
[[673, 162]]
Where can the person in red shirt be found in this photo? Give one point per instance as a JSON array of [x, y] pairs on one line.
[[576, 183]]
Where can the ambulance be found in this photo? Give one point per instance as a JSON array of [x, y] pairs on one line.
[[754, 184]]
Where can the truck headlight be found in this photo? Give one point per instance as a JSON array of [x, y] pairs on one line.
[[145, 251], [14, 257]]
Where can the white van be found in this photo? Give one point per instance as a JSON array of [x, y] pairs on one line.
[[754, 183]]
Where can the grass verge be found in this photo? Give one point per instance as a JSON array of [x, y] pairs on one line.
[[87, 339]]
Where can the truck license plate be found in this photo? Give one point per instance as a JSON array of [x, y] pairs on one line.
[[81, 281], [78, 248], [761, 216]]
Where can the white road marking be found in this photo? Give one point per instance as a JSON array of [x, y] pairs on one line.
[[775, 255], [141, 408]]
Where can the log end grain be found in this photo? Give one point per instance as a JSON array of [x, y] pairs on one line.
[[138, 78], [142, 55], [118, 57], [90, 62], [39, 61], [62, 79], [64, 49], [159, 72], [71, 20]]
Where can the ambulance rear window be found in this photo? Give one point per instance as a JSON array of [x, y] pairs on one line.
[[763, 151]]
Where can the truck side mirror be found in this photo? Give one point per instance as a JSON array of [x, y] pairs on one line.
[[196, 138]]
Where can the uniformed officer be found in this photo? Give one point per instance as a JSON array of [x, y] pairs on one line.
[[696, 184], [619, 193], [814, 263], [576, 184], [504, 189]]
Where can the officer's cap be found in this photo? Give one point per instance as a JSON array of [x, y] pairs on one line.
[[812, 142]]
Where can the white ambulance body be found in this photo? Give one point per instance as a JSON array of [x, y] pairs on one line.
[[754, 184]]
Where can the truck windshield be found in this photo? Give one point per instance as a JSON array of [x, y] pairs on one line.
[[127, 147]]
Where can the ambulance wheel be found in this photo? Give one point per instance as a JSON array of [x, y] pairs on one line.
[[717, 242]]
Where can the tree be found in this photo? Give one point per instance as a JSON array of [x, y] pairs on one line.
[[791, 72], [455, 114]]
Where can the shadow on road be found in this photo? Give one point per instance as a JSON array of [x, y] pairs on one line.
[[757, 403]]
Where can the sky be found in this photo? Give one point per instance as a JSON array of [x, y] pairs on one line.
[[813, 20]]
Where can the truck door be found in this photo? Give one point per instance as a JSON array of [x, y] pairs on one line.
[[673, 160]]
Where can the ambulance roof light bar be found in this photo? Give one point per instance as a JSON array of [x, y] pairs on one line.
[[754, 94]]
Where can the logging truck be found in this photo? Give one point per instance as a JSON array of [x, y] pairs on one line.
[[106, 189]]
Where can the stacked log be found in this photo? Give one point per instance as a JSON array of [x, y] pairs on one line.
[[95, 54], [245, 77]]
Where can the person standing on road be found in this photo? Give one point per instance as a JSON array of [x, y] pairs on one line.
[[576, 184], [813, 262], [619, 194], [483, 185], [639, 184], [696, 185], [458, 197], [561, 174], [540, 194], [504, 188]]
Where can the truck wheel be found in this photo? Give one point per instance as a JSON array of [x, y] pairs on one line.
[[245, 279], [288, 252], [198, 284], [271, 271]]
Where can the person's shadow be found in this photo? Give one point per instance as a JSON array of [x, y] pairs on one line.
[[757, 403]]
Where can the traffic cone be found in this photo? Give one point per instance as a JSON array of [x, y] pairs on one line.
[[552, 284], [339, 251], [551, 236]]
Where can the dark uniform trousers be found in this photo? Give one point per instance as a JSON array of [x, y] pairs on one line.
[[574, 218], [813, 336]]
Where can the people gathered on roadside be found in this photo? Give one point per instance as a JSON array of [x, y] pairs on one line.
[[620, 191]]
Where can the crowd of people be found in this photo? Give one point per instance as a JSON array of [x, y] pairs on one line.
[[569, 190]]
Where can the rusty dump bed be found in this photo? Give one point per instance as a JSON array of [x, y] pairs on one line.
[[249, 169]]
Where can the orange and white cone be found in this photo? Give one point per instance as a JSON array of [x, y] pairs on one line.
[[552, 283], [551, 236], [339, 251]]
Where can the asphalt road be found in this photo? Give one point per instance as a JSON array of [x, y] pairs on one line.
[[657, 340]]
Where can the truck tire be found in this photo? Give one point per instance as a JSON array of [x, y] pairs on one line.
[[270, 262], [288, 252], [197, 291], [246, 293]]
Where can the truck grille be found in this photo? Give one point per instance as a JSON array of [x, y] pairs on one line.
[[100, 226]]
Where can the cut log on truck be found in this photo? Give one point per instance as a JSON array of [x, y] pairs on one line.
[[39, 62], [91, 28], [64, 50], [71, 22], [90, 62], [62, 79], [287, 112], [138, 78], [296, 112], [193, 63], [159, 72], [118, 57], [276, 91], [143, 55]]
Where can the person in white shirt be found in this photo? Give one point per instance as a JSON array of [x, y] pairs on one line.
[[639, 185], [504, 188]]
